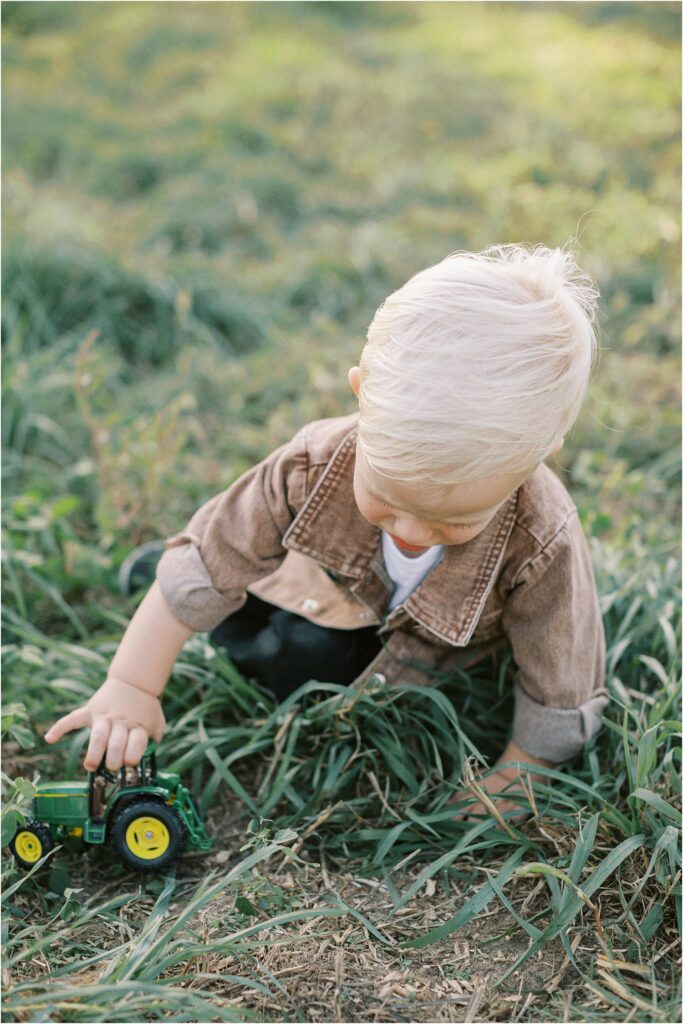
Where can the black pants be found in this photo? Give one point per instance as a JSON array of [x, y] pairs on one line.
[[282, 650]]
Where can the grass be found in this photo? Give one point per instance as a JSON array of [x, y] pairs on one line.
[[202, 211]]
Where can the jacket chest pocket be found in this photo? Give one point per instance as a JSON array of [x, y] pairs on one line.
[[301, 586]]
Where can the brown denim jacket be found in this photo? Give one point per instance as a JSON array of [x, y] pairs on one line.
[[290, 532]]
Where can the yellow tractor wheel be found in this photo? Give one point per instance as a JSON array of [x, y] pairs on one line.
[[148, 835], [30, 844]]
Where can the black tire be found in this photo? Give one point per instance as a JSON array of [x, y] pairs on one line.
[[34, 839], [156, 843]]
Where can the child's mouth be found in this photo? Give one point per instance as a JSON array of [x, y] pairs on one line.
[[406, 547]]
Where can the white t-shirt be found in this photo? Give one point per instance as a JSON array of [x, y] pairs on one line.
[[407, 573]]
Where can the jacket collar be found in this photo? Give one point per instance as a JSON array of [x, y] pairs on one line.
[[449, 601]]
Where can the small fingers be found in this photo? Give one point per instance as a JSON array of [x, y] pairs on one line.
[[74, 720], [464, 808], [475, 811], [98, 743], [118, 738], [136, 746]]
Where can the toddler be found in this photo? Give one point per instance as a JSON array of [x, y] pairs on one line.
[[420, 534]]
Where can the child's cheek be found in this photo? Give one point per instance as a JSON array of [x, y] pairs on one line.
[[364, 505], [373, 513]]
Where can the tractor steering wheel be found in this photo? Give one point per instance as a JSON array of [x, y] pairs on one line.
[[104, 772]]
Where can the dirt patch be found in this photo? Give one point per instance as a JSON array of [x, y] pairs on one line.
[[330, 969]]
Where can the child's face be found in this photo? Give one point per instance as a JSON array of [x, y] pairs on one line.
[[414, 523]]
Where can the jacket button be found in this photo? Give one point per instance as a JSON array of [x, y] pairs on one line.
[[310, 604]]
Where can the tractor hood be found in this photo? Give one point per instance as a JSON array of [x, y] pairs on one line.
[[62, 789], [61, 803]]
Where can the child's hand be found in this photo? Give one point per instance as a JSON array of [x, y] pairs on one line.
[[121, 717], [504, 780]]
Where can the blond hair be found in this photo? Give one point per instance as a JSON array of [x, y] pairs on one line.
[[477, 365]]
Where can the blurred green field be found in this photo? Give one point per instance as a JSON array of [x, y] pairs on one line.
[[203, 204]]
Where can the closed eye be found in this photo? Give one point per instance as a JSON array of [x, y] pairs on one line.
[[379, 501], [459, 525]]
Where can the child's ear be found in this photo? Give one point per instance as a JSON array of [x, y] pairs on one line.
[[354, 380]]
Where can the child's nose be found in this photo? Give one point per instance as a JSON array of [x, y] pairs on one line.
[[412, 531]]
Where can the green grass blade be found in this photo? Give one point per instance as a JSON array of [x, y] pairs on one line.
[[472, 907], [574, 904], [664, 808], [444, 861]]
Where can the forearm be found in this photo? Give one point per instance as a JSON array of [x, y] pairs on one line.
[[152, 642]]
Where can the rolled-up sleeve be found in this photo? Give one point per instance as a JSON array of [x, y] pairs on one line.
[[234, 539], [553, 621]]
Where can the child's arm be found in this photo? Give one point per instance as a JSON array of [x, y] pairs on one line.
[[126, 710], [202, 578], [553, 621]]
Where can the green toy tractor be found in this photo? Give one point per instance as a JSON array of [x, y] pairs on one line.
[[146, 815]]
